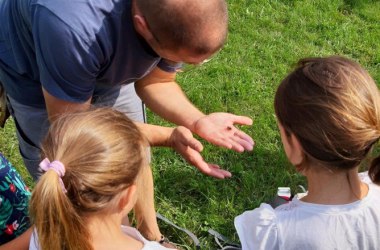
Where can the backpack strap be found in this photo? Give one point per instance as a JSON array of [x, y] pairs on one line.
[[223, 242], [190, 234]]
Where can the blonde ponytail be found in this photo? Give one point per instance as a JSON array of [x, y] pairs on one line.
[[102, 152], [55, 217]]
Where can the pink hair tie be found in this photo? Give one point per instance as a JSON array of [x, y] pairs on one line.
[[57, 166]]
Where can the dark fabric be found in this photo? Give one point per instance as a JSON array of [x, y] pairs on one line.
[[70, 48], [14, 199]]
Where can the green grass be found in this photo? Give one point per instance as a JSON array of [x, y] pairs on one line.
[[265, 39]]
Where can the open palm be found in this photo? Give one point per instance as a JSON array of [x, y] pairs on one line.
[[219, 129]]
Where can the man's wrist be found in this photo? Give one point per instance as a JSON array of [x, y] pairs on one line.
[[167, 142], [193, 124], [156, 135]]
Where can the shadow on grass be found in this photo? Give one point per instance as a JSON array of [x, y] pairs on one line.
[[349, 6], [357, 3]]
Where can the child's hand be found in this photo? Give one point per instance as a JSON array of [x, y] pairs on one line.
[[185, 144]]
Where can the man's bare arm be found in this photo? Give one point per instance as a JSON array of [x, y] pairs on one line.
[[56, 107], [164, 96]]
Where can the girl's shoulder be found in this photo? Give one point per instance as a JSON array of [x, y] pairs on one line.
[[257, 228], [374, 193], [265, 212]]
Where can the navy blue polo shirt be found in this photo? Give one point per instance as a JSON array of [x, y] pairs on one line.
[[70, 47]]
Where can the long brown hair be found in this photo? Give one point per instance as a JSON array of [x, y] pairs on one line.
[[332, 106], [103, 152]]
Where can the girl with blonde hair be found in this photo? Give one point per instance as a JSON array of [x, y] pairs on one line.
[[328, 112], [93, 161]]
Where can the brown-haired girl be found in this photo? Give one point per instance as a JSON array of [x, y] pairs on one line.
[[93, 163], [328, 112]]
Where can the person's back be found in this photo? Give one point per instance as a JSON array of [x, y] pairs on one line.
[[68, 48], [303, 225], [328, 112]]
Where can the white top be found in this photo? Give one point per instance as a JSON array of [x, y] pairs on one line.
[[148, 245], [302, 225]]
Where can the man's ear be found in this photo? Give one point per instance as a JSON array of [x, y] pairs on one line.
[[297, 154], [128, 199], [142, 27]]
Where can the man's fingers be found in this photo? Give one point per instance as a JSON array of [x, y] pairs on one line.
[[246, 145], [235, 142], [213, 170], [236, 146], [214, 165], [216, 168], [194, 144], [190, 149], [244, 137], [242, 120], [222, 141]]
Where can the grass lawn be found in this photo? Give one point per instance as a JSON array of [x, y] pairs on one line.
[[265, 39]]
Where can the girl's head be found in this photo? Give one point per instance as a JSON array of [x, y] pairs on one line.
[[332, 107], [102, 152]]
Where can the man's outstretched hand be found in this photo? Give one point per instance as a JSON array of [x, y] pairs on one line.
[[219, 129], [185, 144]]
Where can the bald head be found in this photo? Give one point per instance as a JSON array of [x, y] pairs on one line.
[[199, 26]]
